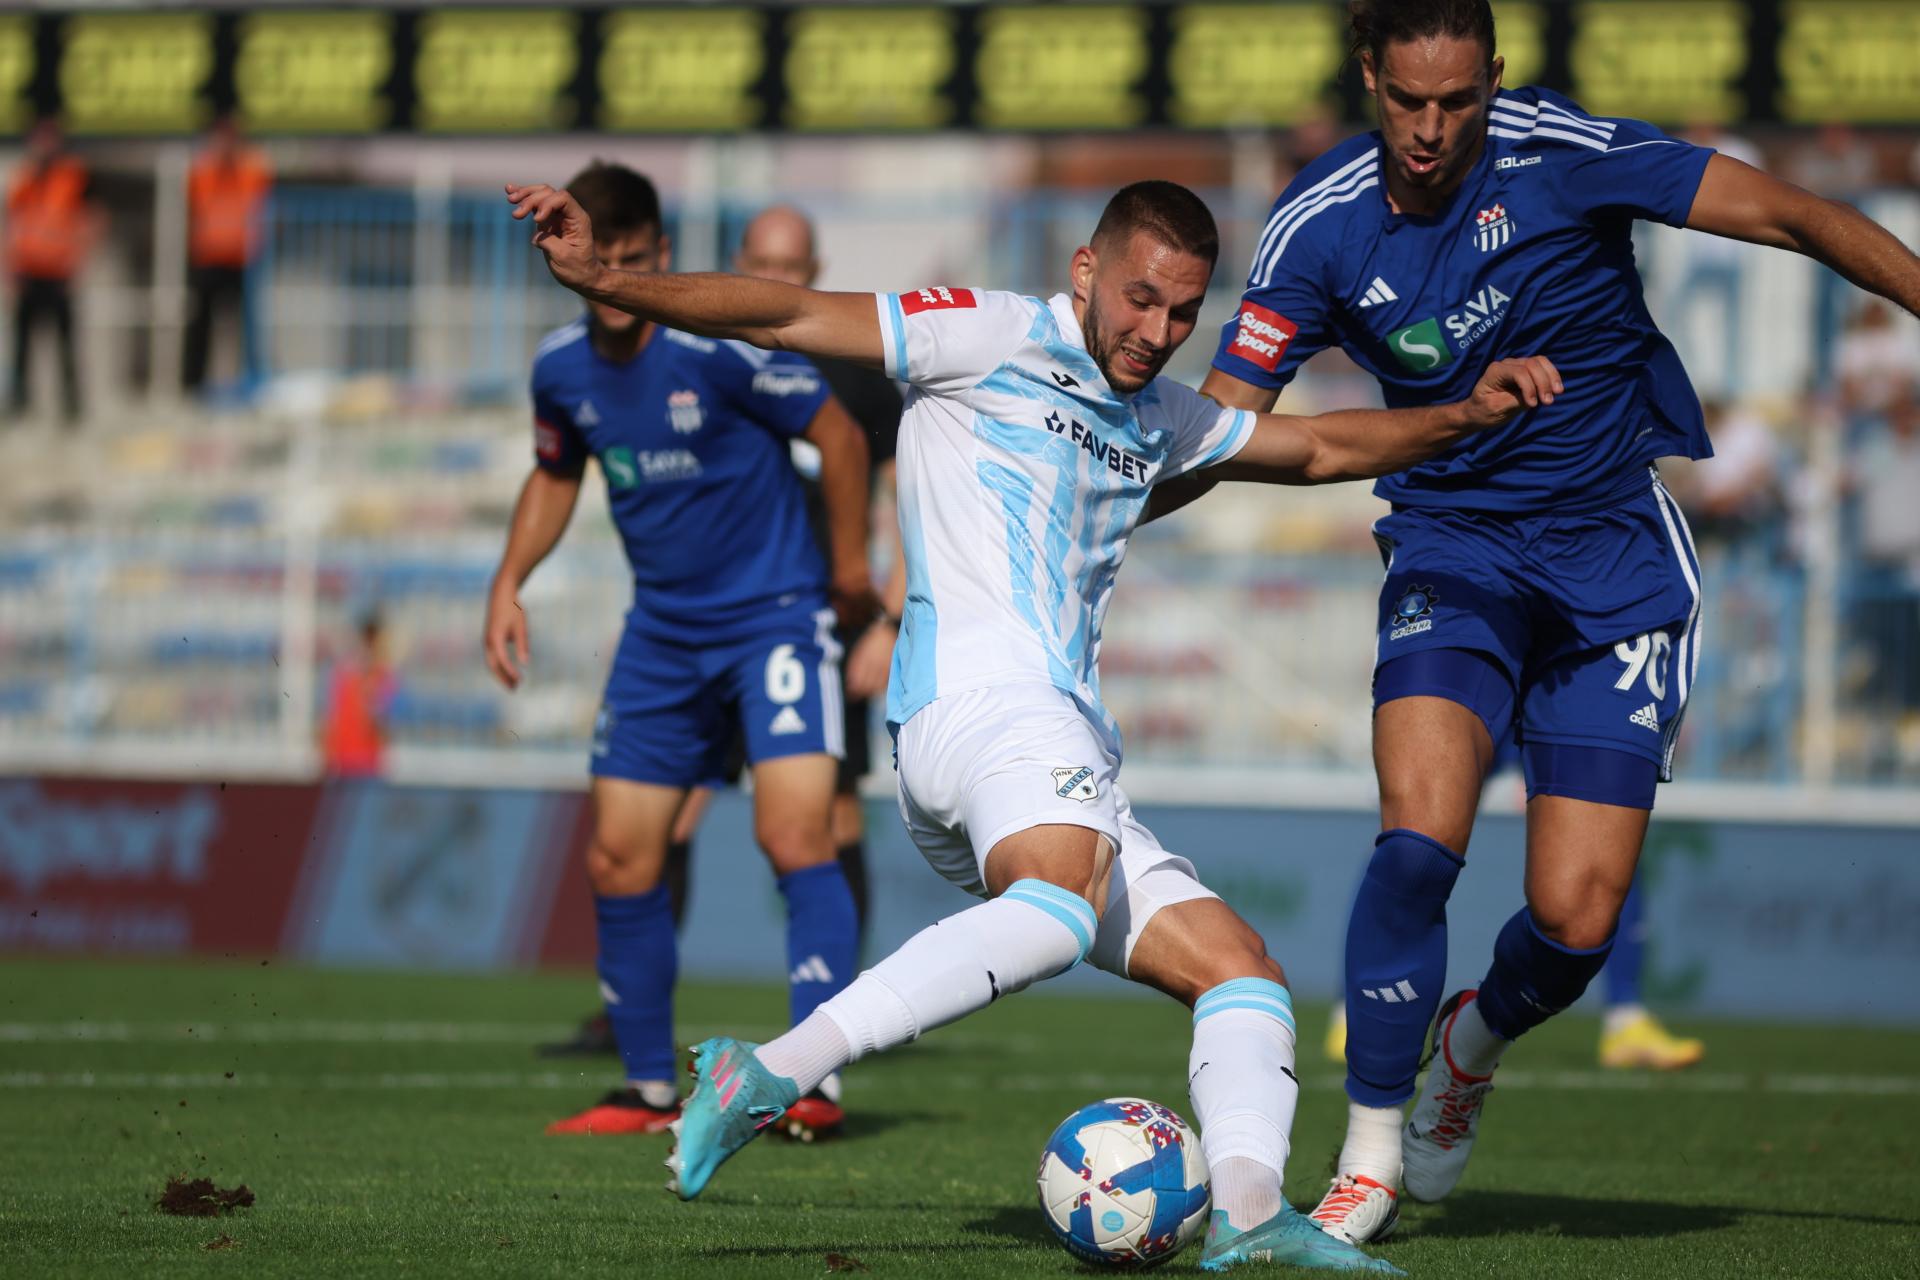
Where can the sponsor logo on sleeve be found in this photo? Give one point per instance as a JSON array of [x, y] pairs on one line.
[[1412, 613], [547, 442], [1261, 336], [936, 298], [785, 382]]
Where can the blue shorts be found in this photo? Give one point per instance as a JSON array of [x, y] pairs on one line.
[[1594, 618], [675, 707]]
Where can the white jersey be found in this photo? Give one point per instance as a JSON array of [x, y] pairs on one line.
[[1021, 475]]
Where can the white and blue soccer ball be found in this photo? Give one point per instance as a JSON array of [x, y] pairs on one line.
[[1123, 1183]]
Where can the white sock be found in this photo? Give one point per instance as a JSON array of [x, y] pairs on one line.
[[1471, 1044], [1372, 1148], [1622, 1015], [1032, 931], [1240, 1077], [658, 1094], [810, 1052]]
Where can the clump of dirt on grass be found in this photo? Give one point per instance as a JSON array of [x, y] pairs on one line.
[[199, 1198]]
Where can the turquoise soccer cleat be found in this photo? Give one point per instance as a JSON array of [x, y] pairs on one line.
[[734, 1098], [1287, 1239]]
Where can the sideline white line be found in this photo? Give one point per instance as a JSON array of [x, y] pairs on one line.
[[1091, 1082]]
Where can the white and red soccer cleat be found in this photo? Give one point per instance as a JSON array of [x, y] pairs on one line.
[[1440, 1132], [1358, 1210]]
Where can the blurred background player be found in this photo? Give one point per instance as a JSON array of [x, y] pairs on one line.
[[1540, 577], [227, 190], [778, 244], [360, 694], [730, 630], [51, 227]]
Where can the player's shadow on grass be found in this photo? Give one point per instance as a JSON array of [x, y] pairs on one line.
[[865, 1124], [1021, 1223], [1486, 1213]]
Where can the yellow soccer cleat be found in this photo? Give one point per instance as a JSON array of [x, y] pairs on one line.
[[1337, 1035], [1642, 1043]]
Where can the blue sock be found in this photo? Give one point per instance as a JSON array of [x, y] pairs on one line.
[[1396, 963], [1629, 951], [1533, 977], [639, 959], [823, 936]]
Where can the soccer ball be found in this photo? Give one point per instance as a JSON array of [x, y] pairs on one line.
[[1123, 1183]]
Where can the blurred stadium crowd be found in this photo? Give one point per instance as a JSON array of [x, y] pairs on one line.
[[233, 444]]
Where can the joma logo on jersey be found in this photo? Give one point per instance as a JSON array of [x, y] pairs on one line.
[[1422, 348], [1112, 457]]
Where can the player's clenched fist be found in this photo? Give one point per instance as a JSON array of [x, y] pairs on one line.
[[561, 230], [1509, 386], [506, 638]]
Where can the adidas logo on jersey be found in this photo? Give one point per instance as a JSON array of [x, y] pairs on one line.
[[588, 415], [812, 969], [1377, 293], [1399, 993], [1647, 717], [788, 721]]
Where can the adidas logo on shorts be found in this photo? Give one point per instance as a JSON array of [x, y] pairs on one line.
[[1647, 717]]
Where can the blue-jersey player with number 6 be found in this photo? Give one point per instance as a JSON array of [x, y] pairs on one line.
[[1539, 577], [730, 630]]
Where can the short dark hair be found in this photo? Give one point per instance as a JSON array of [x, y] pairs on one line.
[[617, 199], [1379, 23], [1166, 211]]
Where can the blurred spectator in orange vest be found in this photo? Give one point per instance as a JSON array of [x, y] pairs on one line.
[[360, 695], [226, 198], [50, 226]]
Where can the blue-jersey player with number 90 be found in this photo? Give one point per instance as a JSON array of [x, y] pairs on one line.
[[730, 630], [1539, 577]]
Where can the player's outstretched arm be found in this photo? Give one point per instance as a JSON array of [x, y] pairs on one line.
[[766, 313], [1354, 444], [1742, 203], [539, 518]]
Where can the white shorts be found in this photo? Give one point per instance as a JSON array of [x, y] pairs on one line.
[[979, 766]]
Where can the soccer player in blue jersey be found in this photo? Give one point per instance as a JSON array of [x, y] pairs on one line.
[[1031, 439], [1538, 576], [730, 629]]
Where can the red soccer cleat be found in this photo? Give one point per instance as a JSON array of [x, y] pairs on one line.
[[813, 1118], [621, 1111]]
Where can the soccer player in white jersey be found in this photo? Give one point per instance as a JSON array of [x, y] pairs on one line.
[[1032, 436]]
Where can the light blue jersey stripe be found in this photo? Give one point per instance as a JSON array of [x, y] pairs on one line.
[[894, 353], [913, 676], [1070, 909]]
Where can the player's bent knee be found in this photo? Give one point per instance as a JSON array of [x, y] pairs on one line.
[[1576, 922], [794, 847], [619, 870]]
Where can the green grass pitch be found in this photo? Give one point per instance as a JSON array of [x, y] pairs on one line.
[[391, 1124]]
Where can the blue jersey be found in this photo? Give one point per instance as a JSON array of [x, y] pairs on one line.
[[1533, 256], [692, 438]]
